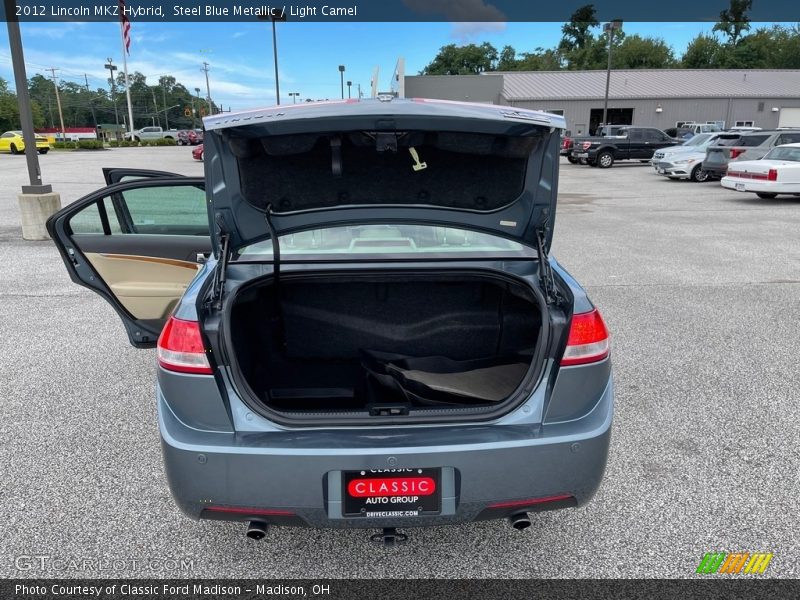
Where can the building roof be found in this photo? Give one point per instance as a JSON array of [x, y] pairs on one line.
[[652, 83]]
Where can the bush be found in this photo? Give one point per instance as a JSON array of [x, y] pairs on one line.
[[64, 145], [90, 144], [114, 143], [164, 142], [146, 143], [128, 143]]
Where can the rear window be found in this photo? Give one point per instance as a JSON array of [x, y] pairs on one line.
[[728, 141], [789, 138], [751, 141], [792, 154], [386, 239]]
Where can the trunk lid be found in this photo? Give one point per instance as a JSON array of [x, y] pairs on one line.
[[286, 169]]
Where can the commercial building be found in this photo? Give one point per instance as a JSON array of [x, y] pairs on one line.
[[662, 98]]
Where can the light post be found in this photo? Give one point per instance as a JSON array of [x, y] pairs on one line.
[[341, 77], [294, 96], [349, 83], [111, 68], [610, 28]]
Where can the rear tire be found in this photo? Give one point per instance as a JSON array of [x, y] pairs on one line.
[[699, 175], [605, 160], [572, 160], [767, 195], [44, 150], [13, 149]]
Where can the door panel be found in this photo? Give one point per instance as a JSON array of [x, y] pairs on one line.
[[136, 244], [148, 287]]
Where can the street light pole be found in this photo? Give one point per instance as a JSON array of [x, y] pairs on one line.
[[609, 28], [341, 76], [111, 68], [349, 83], [275, 58]]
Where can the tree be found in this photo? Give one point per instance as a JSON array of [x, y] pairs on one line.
[[508, 59], [703, 52], [636, 52], [463, 60], [734, 20], [9, 111], [576, 34]]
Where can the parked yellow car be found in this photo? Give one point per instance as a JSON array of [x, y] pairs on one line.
[[11, 141]]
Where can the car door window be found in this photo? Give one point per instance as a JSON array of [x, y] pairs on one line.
[[159, 210], [788, 138], [635, 135]]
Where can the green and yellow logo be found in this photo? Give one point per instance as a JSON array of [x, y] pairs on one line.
[[734, 563]]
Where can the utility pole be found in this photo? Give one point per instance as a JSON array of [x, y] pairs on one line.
[[58, 101], [111, 68], [208, 89], [341, 78], [91, 101], [166, 118], [155, 106]]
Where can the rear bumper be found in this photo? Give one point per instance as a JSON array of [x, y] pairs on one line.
[[772, 187], [296, 475], [715, 169]]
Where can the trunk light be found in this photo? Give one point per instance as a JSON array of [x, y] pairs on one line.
[[180, 348], [735, 152], [588, 339], [772, 175]]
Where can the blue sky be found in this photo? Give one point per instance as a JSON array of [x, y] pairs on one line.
[[240, 54]]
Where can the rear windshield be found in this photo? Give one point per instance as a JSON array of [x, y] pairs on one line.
[[792, 154], [386, 239], [751, 141], [728, 141]]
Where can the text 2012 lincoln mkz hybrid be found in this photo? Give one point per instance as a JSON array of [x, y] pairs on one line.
[[357, 320]]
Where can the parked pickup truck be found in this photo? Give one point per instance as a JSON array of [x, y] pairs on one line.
[[151, 133], [630, 143]]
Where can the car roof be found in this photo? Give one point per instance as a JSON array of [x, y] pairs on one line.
[[792, 145]]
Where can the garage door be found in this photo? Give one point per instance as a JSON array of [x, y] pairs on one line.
[[790, 117]]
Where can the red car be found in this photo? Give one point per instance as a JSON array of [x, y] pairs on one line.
[[197, 152]]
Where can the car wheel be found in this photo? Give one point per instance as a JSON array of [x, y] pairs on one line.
[[572, 159], [605, 160], [699, 175], [766, 195], [44, 150], [14, 149]]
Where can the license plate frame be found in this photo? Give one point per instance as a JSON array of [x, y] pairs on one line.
[[740, 187], [390, 501]]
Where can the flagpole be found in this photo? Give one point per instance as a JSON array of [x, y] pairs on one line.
[[125, 68]]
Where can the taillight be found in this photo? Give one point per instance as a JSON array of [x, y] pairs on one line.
[[735, 152], [772, 175], [180, 348], [588, 339]]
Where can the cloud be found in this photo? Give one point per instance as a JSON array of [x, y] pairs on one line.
[[458, 11], [471, 30], [238, 34]]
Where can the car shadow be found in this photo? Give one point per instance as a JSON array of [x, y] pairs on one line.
[[755, 200]]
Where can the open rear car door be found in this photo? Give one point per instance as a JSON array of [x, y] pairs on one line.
[[137, 243]]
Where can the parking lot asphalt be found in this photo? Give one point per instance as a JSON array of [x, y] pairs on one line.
[[699, 286]]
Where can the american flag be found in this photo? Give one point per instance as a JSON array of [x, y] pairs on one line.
[[125, 23]]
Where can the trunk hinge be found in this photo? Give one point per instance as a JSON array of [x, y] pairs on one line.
[[551, 293], [276, 247], [221, 271]]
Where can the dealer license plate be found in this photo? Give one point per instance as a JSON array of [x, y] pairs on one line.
[[381, 493]]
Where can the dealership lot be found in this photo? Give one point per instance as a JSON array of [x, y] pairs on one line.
[[699, 286]]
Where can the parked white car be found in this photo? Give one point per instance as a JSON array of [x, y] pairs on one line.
[[777, 173]]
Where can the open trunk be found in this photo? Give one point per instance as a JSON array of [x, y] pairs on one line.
[[385, 344]]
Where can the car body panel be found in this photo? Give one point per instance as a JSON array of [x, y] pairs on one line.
[[751, 146], [752, 175]]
